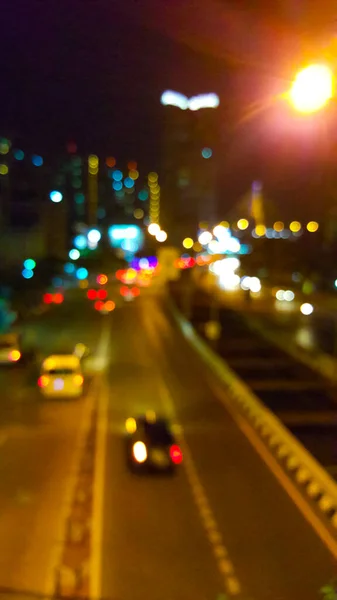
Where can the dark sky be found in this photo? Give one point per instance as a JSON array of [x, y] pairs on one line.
[[93, 71]]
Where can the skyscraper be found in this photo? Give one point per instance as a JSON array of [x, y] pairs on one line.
[[189, 163]]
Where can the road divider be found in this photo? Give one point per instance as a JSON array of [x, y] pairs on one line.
[[306, 473]]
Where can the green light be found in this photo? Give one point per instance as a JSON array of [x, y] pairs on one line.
[[29, 264]]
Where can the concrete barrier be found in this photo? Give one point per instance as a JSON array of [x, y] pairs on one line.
[[308, 475]]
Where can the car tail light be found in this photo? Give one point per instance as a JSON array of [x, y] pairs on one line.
[[176, 454], [78, 380], [139, 452], [43, 381], [14, 355]]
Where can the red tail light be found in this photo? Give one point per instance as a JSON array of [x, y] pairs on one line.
[[43, 381], [176, 454]]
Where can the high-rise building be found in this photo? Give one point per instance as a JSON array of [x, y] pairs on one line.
[[189, 163]]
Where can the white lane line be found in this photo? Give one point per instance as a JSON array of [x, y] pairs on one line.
[[99, 478], [98, 494], [225, 566]]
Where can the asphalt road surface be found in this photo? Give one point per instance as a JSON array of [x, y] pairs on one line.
[[223, 524], [36, 445]]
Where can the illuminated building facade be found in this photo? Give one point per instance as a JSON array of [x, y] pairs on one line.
[[189, 162]]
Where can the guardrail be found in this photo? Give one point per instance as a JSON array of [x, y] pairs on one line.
[[307, 473]]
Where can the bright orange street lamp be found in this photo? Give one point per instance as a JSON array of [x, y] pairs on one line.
[[312, 88]]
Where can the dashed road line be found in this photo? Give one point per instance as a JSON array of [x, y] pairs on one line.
[[224, 564]]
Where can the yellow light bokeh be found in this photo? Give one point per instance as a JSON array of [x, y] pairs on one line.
[[312, 88], [3, 169], [312, 226], [188, 243], [243, 224], [224, 224], [152, 177], [295, 226], [133, 174], [197, 247], [278, 226], [93, 161], [260, 230], [138, 213]]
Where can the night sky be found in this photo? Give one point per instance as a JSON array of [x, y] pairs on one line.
[[93, 71]]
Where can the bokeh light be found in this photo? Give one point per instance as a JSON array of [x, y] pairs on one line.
[[153, 228], [188, 243], [312, 226], [3, 169], [102, 279], [152, 177], [29, 264], [133, 174], [278, 226], [37, 160], [117, 175], [143, 195], [132, 165], [27, 273], [138, 213], [128, 182], [205, 237], [74, 254], [94, 236], [117, 186], [206, 152], [295, 226], [161, 236], [56, 196], [80, 241], [243, 224], [4, 146], [82, 273], [260, 230], [18, 154], [110, 162], [69, 268], [306, 309]]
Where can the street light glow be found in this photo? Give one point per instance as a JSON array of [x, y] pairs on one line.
[[205, 238], [153, 228], [312, 88], [161, 236]]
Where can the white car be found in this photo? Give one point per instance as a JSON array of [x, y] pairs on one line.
[[9, 349], [61, 377]]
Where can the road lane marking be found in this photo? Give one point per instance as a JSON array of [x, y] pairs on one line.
[[305, 508], [225, 566], [99, 477], [98, 494]]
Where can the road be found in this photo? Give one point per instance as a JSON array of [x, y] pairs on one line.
[[37, 440], [224, 524]]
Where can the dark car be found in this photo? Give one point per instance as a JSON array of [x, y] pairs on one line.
[[151, 445]]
